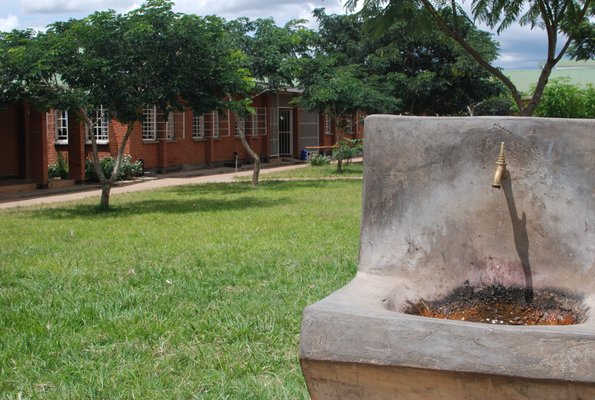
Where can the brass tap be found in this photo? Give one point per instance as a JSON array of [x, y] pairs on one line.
[[500, 172]]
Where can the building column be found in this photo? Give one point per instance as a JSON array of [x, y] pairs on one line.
[[296, 132], [209, 151], [35, 146], [162, 159], [76, 150]]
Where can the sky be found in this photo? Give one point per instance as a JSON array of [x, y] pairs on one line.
[[520, 47]]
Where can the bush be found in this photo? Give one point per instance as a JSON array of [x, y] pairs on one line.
[[499, 105], [562, 99], [128, 169], [318, 160], [348, 148], [59, 169]]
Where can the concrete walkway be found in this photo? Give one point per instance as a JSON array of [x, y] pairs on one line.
[[58, 195]]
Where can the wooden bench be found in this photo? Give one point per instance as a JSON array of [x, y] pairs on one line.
[[319, 149]]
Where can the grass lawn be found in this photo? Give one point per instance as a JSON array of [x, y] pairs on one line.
[[354, 169], [191, 292]]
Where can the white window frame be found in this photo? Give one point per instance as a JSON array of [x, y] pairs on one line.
[[198, 126], [149, 131], [259, 122], [215, 124], [61, 127], [100, 127], [170, 126], [207, 125], [326, 120], [239, 123]]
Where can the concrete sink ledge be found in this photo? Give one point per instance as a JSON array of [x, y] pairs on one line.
[[432, 222]]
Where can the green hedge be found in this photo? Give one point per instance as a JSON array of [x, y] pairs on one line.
[[128, 169]]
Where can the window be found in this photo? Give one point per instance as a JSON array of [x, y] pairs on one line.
[[170, 126], [198, 126], [209, 123], [61, 119], [258, 122], [240, 123], [214, 123], [150, 123], [326, 119], [101, 126], [349, 124]]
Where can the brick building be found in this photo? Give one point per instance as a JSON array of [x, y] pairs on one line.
[[30, 140]]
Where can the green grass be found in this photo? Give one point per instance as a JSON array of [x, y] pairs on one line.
[[354, 169], [191, 292]]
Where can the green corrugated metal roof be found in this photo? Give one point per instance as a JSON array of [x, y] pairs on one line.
[[578, 72]]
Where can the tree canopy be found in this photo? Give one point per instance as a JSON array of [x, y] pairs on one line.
[[400, 70], [272, 52], [566, 19]]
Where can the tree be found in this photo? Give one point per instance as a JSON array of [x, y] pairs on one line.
[[568, 18], [338, 91], [424, 69], [149, 56], [396, 70], [272, 58]]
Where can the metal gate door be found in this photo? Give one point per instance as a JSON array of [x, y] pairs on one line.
[[274, 133], [285, 132]]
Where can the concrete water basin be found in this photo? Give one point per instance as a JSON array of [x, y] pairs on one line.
[[432, 224]]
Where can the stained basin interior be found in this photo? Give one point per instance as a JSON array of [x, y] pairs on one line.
[[498, 304]]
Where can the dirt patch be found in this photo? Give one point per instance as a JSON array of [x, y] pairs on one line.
[[503, 305]]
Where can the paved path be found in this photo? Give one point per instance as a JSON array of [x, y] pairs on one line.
[[49, 196]]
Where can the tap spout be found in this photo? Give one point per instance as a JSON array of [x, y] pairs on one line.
[[500, 172]]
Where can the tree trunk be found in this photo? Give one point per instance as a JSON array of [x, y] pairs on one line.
[[105, 192], [107, 187], [338, 143], [253, 155], [551, 26], [106, 184]]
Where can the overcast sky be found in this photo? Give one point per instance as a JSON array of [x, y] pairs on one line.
[[519, 47]]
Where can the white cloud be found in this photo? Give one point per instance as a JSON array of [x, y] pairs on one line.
[[63, 6], [281, 10], [9, 23]]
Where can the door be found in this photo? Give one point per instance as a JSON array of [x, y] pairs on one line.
[[274, 133], [285, 131]]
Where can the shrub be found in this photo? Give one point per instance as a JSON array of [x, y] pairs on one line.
[[59, 169], [348, 148], [128, 169], [562, 99], [499, 105], [318, 160]]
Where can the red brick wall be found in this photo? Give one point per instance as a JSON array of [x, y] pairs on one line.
[[184, 150], [358, 130], [116, 134], [139, 150], [36, 170], [9, 142]]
